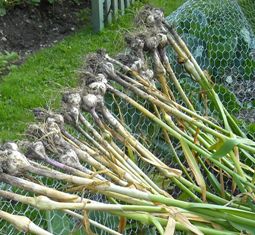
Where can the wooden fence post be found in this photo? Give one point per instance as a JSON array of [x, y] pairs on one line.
[[103, 11], [127, 3], [122, 7], [108, 9], [115, 9], [97, 14]]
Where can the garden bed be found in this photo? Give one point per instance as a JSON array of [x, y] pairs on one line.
[[25, 28]]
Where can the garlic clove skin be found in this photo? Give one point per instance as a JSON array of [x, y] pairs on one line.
[[11, 146], [89, 102], [13, 162], [37, 150], [97, 88], [72, 99], [71, 159]]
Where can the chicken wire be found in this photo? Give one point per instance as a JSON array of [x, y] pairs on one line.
[[220, 35]]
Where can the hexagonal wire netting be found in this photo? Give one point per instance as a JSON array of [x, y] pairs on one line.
[[220, 35]]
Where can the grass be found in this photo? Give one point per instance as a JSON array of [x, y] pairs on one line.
[[41, 79]]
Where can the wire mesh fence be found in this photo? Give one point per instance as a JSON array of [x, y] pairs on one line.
[[221, 38], [220, 35]]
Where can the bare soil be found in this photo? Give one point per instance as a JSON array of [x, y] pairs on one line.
[[25, 29]]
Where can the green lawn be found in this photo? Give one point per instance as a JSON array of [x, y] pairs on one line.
[[41, 79]]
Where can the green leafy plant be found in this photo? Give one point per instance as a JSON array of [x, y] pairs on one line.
[[2, 9], [85, 15], [6, 61]]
